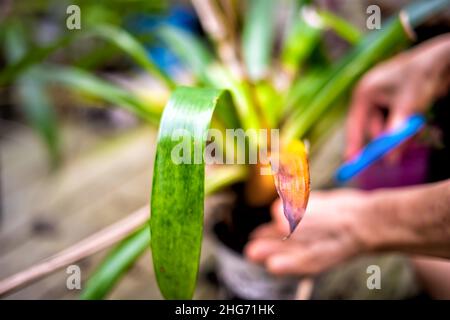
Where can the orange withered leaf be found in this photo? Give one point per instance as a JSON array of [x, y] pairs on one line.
[[291, 175]]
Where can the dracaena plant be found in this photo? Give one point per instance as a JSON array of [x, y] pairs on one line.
[[241, 81]]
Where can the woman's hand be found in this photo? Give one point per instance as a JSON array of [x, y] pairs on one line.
[[328, 234], [406, 84]]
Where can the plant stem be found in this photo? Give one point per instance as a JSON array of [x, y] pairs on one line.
[[93, 244], [214, 23]]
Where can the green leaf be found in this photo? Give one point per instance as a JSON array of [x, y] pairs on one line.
[[303, 89], [258, 36], [116, 263], [302, 38], [132, 47], [241, 93], [178, 190], [124, 255], [196, 56], [340, 26], [191, 50], [77, 79], [39, 112], [33, 98], [33, 56], [118, 37], [270, 102]]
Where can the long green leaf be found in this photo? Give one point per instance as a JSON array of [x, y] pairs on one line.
[[258, 36], [33, 56], [240, 91], [118, 37], [33, 98], [117, 262], [303, 90], [191, 50], [340, 26], [131, 46], [39, 112], [299, 44], [123, 256], [178, 190], [85, 82]]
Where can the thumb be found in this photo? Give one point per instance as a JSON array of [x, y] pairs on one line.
[[402, 109], [278, 216], [404, 105]]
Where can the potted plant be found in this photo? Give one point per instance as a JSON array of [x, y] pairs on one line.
[[243, 84], [308, 102]]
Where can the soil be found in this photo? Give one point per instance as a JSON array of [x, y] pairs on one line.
[[234, 229]]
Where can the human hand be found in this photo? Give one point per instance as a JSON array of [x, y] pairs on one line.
[[402, 86], [344, 223], [331, 232]]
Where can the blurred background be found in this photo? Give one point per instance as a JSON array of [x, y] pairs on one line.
[[77, 150]]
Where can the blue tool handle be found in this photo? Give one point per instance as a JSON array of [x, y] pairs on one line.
[[377, 148]]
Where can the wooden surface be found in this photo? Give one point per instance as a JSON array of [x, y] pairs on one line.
[[104, 177]]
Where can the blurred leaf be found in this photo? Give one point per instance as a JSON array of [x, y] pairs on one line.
[[14, 41], [299, 44], [132, 47], [258, 36], [39, 112], [33, 56], [83, 81], [303, 89], [116, 263], [97, 57], [115, 35], [191, 50], [371, 49], [242, 97], [34, 101], [270, 102], [340, 26]]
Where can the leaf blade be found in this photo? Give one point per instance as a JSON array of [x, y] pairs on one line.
[[116, 263], [83, 81], [132, 47], [124, 255], [258, 36], [178, 191]]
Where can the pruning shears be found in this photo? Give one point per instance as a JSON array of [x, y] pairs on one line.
[[380, 146]]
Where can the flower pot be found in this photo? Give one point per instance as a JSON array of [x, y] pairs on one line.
[[238, 277], [245, 280]]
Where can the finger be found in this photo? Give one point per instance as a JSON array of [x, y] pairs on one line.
[[376, 124], [292, 262], [356, 122], [403, 107], [269, 230], [259, 250], [306, 259], [279, 218]]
